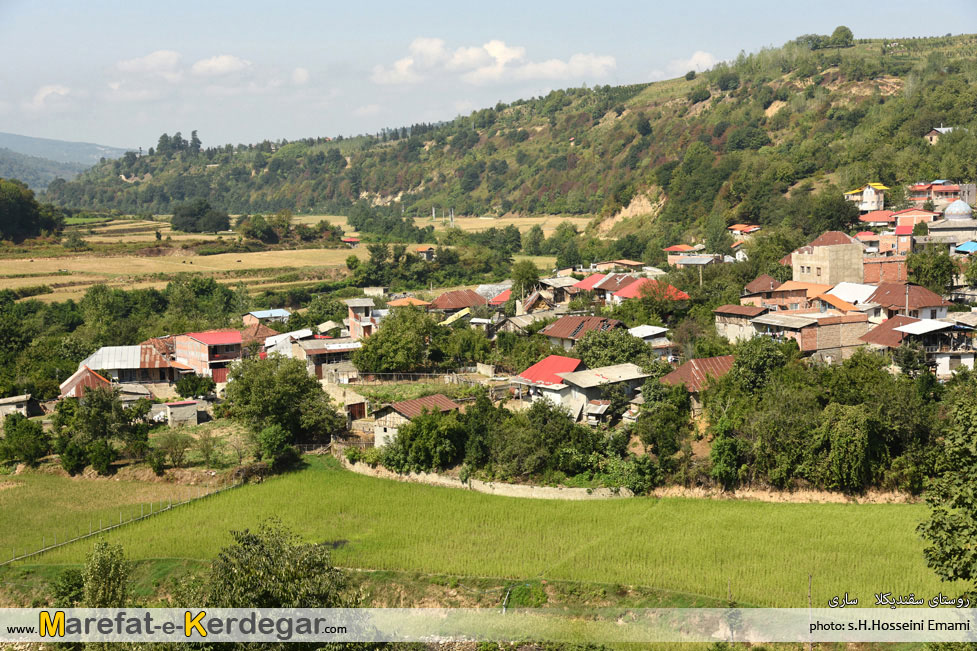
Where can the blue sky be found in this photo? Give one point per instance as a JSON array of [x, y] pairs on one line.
[[122, 73]]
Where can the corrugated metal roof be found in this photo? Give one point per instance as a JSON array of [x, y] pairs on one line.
[[588, 283], [635, 289], [885, 334], [696, 260], [615, 282], [894, 296], [793, 321], [644, 331], [270, 314], [853, 293], [923, 326], [695, 373], [457, 300], [762, 283], [304, 333], [414, 408], [216, 337], [604, 375], [545, 372], [575, 327], [740, 310], [125, 357]]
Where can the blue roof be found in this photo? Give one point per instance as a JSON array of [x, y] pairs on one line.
[[967, 247], [270, 314]]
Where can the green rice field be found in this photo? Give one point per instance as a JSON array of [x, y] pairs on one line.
[[763, 552]]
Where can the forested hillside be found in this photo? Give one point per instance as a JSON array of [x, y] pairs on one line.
[[34, 171], [770, 138]]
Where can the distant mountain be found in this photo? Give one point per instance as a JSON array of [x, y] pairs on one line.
[[61, 151], [36, 172]]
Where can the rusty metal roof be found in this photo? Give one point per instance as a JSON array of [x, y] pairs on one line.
[[695, 373], [741, 310], [414, 408], [457, 300], [575, 327]]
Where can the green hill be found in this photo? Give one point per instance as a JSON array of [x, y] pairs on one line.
[[754, 140], [36, 172], [61, 151]]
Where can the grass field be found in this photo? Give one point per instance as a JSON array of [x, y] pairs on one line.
[[764, 551], [33, 505], [547, 222]]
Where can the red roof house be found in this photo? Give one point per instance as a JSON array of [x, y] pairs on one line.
[[501, 298], [587, 284], [637, 289], [545, 371], [457, 300]]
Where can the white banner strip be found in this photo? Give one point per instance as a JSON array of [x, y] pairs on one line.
[[757, 625]]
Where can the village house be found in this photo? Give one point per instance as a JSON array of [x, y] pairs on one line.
[[656, 337], [605, 287], [281, 344], [909, 300], [884, 269], [208, 353], [276, 315], [913, 216], [323, 355], [535, 302], [791, 295], [587, 388], [390, 418], [827, 336], [869, 197], [351, 242], [362, 322], [14, 405], [743, 232], [696, 374], [560, 289], [760, 288], [409, 301], [499, 300], [354, 406], [734, 322], [82, 380], [618, 265], [426, 253], [542, 382], [642, 287], [677, 251], [568, 330], [948, 344], [253, 337], [460, 299], [697, 261], [933, 135], [898, 241], [139, 363], [878, 218], [941, 193], [183, 412], [491, 290], [521, 323], [833, 257]]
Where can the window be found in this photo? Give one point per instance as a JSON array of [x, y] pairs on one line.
[[819, 271]]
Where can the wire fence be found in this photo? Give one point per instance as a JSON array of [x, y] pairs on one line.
[[126, 516]]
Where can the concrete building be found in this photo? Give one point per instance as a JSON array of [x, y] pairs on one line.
[[362, 323], [656, 337], [266, 316], [832, 258], [542, 381], [734, 322], [791, 295], [869, 197], [587, 388], [390, 418], [948, 343], [941, 193], [884, 269], [208, 353], [696, 374], [958, 224], [909, 300], [324, 355], [933, 135], [829, 336], [567, 330], [14, 405], [181, 413]]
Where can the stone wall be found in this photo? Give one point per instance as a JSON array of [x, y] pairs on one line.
[[491, 488]]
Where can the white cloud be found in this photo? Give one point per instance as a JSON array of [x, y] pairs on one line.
[[120, 91], [221, 64], [699, 61], [300, 76], [579, 65], [163, 63], [493, 61], [366, 110], [401, 72], [47, 96]]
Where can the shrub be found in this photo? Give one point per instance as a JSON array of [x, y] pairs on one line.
[[157, 461], [101, 454], [191, 385], [699, 94], [175, 445], [23, 440], [690, 75], [273, 446], [73, 458]]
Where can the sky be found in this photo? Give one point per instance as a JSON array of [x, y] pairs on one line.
[[243, 71]]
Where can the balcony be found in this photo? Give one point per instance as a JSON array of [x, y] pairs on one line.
[[223, 357]]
